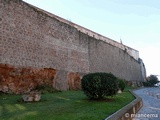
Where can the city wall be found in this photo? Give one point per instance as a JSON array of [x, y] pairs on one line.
[[35, 40]]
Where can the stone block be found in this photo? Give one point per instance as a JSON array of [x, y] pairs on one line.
[[32, 96]]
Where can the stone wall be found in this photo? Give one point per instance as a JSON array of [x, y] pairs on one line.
[[107, 58], [132, 52], [21, 80], [33, 38]]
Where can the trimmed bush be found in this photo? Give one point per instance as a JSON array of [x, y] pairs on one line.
[[121, 84], [99, 85]]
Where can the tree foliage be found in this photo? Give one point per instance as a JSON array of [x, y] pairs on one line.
[[151, 80]]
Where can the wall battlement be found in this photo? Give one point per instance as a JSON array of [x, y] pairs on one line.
[[33, 38]]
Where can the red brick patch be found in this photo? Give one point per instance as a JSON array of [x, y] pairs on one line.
[[22, 80], [74, 81]]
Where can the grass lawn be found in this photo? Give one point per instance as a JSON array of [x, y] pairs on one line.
[[70, 105]]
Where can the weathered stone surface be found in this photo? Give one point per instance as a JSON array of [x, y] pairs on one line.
[[42, 46], [22, 80], [32, 96], [107, 58], [74, 81], [60, 82], [29, 38]]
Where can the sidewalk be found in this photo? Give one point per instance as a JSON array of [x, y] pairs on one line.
[[151, 104]]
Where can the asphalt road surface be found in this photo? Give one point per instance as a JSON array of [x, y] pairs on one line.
[[151, 104]]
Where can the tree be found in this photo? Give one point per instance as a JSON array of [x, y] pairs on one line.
[[152, 79]]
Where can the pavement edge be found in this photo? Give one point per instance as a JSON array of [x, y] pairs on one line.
[[126, 112]]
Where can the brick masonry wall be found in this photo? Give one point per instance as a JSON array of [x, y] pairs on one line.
[[38, 40], [107, 58], [31, 38]]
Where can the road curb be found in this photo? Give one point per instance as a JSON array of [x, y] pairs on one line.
[[127, 112]]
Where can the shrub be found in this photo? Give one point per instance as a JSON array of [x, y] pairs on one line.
[[121, 84], [146, 84], [99, 85], [152, 79]]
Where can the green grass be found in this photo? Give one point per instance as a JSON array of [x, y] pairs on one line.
[[70, 105]]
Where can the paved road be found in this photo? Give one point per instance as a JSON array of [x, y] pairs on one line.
[[151, 104]]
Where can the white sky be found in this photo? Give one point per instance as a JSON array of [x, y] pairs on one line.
[[136, 22]]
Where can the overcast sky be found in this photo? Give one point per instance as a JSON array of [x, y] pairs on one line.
[[135, 22]]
